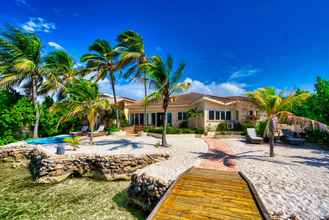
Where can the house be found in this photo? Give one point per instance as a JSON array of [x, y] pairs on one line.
[[215, 109]]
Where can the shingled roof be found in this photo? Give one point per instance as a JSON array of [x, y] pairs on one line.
[[189, 98]]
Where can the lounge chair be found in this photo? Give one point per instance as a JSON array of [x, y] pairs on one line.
[[290, 138], [99, 132], [83, 131], [252, 137]]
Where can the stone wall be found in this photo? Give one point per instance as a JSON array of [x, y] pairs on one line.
[[146, 191], [115, 167], [46, 168]]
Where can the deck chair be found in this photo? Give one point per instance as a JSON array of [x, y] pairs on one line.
[[100, 131], [83, 131], [252, 136], [289, 138]]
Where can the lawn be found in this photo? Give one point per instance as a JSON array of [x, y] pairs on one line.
[[76, 198]]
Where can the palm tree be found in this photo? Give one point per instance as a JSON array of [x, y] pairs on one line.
[[194, 113], [84, 100], [278, 108], [21, 64], [167, 83], [102, 60], [60, 70], [133, 56]]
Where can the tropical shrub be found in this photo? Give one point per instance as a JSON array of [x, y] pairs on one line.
[[317, 136], [222, 127], [172, 130], [112, 129], [260, 127], [73, 141]]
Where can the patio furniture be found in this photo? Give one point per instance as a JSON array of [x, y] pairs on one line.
[[252, 136], [84, 131], [99, 132], [290, 138]]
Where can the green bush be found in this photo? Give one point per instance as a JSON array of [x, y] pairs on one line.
[[183, 124], [260, 127], [172, 130], [317, 136], [222, 127], [245, 125], [111, 130]]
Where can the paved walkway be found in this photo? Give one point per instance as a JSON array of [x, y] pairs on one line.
[[219, 156]]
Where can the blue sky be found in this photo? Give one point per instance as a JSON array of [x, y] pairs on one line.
[[230, 47]]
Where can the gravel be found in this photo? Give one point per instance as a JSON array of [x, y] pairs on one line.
[[295, 181]]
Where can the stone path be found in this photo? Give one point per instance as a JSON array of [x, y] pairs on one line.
[[219, 156]]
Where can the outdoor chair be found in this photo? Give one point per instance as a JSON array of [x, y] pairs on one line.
[[99, 132], [252, 136], [83, 131], [289, 137]]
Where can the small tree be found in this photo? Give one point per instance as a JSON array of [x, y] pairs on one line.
[[82, 99], [167, 83], [194, 113], [275, 105]]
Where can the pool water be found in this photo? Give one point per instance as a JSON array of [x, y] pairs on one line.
[[48, 140]]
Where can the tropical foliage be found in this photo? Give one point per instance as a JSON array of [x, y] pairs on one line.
[[167, 83], [194, 113], [20, 54], [83, 100], [102, 60], [279, 108]]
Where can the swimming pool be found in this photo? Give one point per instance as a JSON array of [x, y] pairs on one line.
[[48, 140]]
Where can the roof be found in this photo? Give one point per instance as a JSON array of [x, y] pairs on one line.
[[119, 98], [190, 98]]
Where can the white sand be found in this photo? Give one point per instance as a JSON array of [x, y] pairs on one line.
[[296, 180]]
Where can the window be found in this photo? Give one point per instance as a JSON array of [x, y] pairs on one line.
[[182, 116], [237, 115], [169, 118], [251, 113], [153, 119], [217, 115], [211, 115], [136, 119], [222, 116], [141, 118], [228, 116]]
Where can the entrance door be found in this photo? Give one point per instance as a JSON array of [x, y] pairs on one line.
[[159, 121]]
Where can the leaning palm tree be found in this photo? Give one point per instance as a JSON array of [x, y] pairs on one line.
[[60, 70], [102, 60], [167, 83], [278, 109], [21, 64], [195, 113], [133, 56], [83, 99]]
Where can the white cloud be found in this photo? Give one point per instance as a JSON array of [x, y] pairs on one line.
[[55, 45], [135, 89], [22, 3], [38, 25], [218, 89], [244, 72]]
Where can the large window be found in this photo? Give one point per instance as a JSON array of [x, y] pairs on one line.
[[211, 115], [217, 115], [222, 116], [182, 116], [228, 116], [169, 118]]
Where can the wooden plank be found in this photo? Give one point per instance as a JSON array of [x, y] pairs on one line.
[[208, 194]]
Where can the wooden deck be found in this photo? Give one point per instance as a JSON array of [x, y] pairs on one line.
[[209, 194]]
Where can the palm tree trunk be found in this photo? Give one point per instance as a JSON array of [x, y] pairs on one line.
[[164, 130], [145, 95], [91, 135], [115, 100], [271, 145], [35, 103]]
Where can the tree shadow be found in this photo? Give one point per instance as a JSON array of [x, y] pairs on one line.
[[311, 161], [122, 143], [121, 200]]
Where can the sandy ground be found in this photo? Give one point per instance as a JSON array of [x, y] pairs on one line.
[[296, 180]]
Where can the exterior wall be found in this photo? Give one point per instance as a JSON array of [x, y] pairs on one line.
[[242, 107]]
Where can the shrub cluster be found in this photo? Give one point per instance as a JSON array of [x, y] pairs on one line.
[[172, 130], [112, 129]]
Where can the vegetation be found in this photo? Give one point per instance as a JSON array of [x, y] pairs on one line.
[[82, 99], [111, 130], [172, 130], [73, 142], [279, 108], [167, 82], [76, 198], [194, 113], [133, 57], [102, 60], [20, 55]]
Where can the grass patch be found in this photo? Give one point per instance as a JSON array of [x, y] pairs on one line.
[[76, 198]]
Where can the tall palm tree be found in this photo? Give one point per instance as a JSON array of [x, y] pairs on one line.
[[278, 109], [102, 60], [60, 70], [133, 56], [21, 64], [194, 113], [84, 100], [167, 83]]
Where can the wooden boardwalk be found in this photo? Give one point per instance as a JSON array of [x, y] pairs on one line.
[[209, 194]]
